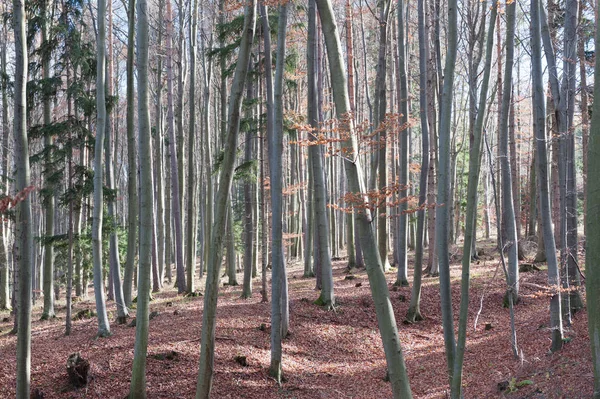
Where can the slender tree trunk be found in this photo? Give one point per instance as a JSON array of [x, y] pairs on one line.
[[176, 201], [114, 262], [23, 225], [138, 374], [103, 326], [471, 211], [132, 187], [222, 203], [542, 169], [592, 261], [385, 316], [48, 199], [508, 211], [4, 252], [414, 309], [402, 276], [248, 220]]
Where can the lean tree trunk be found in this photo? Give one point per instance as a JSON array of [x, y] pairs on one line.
[[23, 225], [114, 262], [471, 211], [321, 224], [539, 118], [356, 186], [190, 235], [175, 198], [350, 236], [4, 253], [159, 225], [508, 211], [97, 252], [48, 199], [443, 195], [402, 245], [379, 124], [248, 197], [138, 374], [275, 167], [221, 204], [132, 188], [414, 310], [592, 261]]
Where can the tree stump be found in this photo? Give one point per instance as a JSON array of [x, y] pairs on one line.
[[78, 369]]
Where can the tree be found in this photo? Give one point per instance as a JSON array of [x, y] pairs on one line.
[[508, 211], [23, 234], [592, 259], [4, 256], [414, 310], [49, 192], [138, 374], [103, 326], [539, 118], [222, 203], [379, 290]]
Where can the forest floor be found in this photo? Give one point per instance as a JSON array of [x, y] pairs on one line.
[[329, 354]]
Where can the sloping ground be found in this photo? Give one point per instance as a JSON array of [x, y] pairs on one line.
[[336, 354]]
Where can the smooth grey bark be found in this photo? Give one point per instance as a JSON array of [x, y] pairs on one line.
[[402, 276], [103, 326], [190, 235], [23, 225], [175, 197], [275, 168], [48, 198], [592, 254], [159, 225], [114, 262], [222, 203], [539, 118], [264, 16], [138, 375], [132, 187], [4, 253], [414, 309], [356, 186], [248, 197], [443, 194], [379, 124], [471, 211], [508, 211], [321, 224]]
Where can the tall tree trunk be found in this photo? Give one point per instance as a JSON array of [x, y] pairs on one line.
[[443, 194], [248, 197], [222, 203], [132, 187], [138, 373], [414, 309], [471, 211], [176, 200], [402, 276], [97, 252], [542, 169], [350, 236], [23, 225], [4, 253], [592, 260], [190, 235], [114, 262], [508, 211], [48, 199], [385, 315]]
